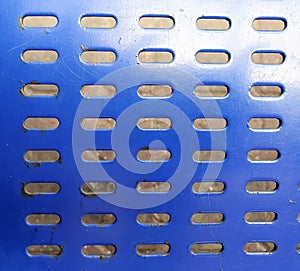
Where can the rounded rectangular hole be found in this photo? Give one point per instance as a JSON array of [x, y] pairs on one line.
[[153, 219], [155, 56], [210, 123], [153, 155], [207, 218], [209, 156], [40, 56], [154, 123], [39, 21], [260, 217], [40, 123], [98, 91], [42, 219], [268, 57], [99, 220], [261, 187], [269, 24], [206, 248], [155, 91], [212, 57], [264, 123], [39, 156], [266, 91], [92, 189], [156, 22], [263, 155], [208, 187], [46, 90], [99, 251], [98, 57], [211, 91], [147, 250], [260, 247], [98, 156], [32, 189], [153, 187], [298, 217], [98, 21], [45, 250], [98, 123], [213, 23]]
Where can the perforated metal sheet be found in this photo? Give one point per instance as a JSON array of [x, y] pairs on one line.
[[127, 73]]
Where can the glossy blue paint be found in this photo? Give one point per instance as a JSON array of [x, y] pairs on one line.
[[127, 39]]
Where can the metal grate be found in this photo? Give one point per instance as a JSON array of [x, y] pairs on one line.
[[143, 135]]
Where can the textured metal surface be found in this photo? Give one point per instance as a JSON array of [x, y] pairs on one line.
[[126, 40]]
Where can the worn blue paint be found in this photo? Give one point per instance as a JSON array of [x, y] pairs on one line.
[[127, 39]]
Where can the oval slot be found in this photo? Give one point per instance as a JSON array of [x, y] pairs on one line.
[[39, 156], [153, 155], [98, 91], [154, 123], [32, 189], [260, 217], [41, 123], [210, 123], [153, 187], [267, 57], [212, 57], [269, 24], [155, 56], [40, 56], [45, 250], [264, 123], [156, 22], [39, 21], [42, 219], [206, 248], [99, 220], [146, 250], [161, 91], [261, 187], [153, 219], [208, 187], [98, 21], [92, 189], [98, 123], [209, 156], [101, 251], [266, 91], [47, 90], [263, 156], [213, 23], [211, 91], [207, 218], [98, 155], [260, 247], [98, 57]]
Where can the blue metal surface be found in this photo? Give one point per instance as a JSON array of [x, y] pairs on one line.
[[127, 39]]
